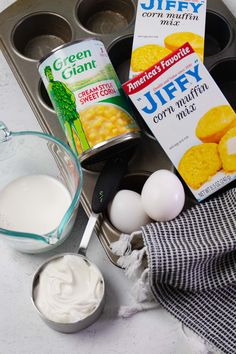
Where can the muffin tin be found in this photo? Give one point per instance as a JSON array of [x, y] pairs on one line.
[[31, 29]]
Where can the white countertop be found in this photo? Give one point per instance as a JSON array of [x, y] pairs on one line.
[[21, 329]]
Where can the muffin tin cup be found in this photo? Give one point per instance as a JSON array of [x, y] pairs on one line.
[[103, 17], [224, 74], [120, 53], [27, 26], [133, 181], [216, 41], [37, 34]]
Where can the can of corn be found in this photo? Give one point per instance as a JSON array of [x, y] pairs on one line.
[[88, 99]]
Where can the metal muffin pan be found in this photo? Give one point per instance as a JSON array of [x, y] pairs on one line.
[[29, 30]]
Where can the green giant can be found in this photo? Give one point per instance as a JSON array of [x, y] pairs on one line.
[[88, 99]]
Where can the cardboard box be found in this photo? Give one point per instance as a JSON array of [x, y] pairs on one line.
[[190, 118], [162, 26]]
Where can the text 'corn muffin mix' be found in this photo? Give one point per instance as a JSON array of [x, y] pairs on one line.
[[190, 117], [87, 96], [162, 26]]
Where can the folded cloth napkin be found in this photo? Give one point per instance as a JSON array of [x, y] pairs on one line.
[[190, 268]]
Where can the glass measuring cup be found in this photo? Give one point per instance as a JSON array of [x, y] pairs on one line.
[[27, 153]]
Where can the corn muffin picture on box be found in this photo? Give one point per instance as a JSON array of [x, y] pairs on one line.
[[191, 119], [162, 26]]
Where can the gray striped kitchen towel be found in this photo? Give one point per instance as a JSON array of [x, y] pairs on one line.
[[192, 268]]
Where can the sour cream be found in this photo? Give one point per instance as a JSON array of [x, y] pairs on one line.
[[69, 289]]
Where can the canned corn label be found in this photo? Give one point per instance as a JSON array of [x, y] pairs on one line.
[[162, 26], [191, 119], [86, 94]]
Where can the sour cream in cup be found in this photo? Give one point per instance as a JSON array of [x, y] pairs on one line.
[[68, 292]]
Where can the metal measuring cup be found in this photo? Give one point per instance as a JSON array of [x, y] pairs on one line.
[[81, 323], [105, 189]]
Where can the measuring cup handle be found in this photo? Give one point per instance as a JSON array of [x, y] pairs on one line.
[[87, 234], [105, 189]]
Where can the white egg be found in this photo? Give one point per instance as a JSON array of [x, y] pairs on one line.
[[163, 196], [126, 212]]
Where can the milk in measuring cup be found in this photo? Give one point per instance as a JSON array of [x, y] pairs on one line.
[[33, 204]]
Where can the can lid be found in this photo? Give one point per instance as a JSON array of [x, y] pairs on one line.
[[62, 46], [109, 149]]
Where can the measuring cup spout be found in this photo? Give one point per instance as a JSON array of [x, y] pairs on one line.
[[4, 132]]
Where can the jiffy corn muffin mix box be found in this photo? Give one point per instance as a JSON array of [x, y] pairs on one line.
[[162, 26], [191, 119]]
